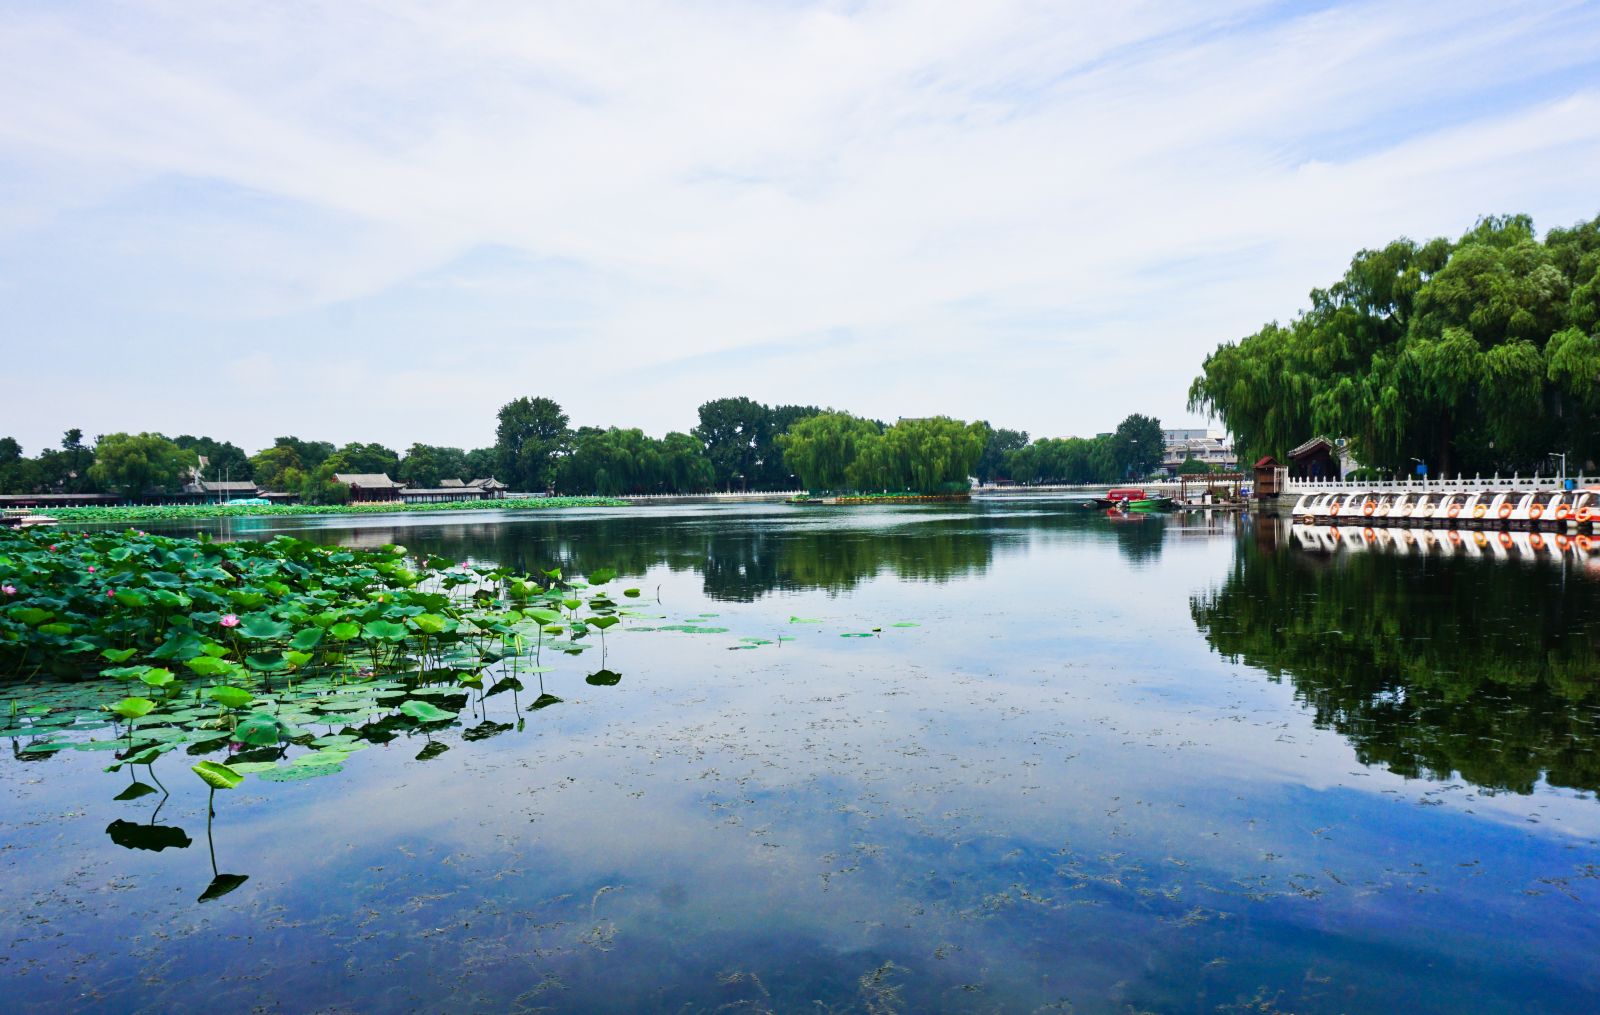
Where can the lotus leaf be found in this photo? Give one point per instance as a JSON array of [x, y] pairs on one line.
[[260, 627], [217, 776], [133, 708], [229, 697], [423, 711], [206, 666], [385, 630], [157, 677]]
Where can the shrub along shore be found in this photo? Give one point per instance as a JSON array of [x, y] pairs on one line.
[[174, 512]]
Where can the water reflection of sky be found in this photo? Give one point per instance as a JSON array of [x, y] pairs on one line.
[[1050, 791]]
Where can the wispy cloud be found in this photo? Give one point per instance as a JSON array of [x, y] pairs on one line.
[[379, 221]]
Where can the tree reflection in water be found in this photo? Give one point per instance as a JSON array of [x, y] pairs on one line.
[[1432, 666]]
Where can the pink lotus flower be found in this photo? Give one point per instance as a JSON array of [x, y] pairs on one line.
[[111, 593], [229, 620], [91, 569], [9, 590], [53, 547]]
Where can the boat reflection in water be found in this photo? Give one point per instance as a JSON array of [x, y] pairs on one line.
[[1529, 546]]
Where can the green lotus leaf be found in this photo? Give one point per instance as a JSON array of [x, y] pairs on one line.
[[631, 593], [180, 646], [423, 711], [344, 631], [601, 576], [133, 708], [217, 776], [229, 697], [206, 666], [306, 639], [261, 729], [118, 655], [169, 600], [157, 677], [129, 597], [602, 622], [294, 773], [260, 627], [431, 623], [385, 630]]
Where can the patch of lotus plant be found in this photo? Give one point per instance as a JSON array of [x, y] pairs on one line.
[[288, 656]]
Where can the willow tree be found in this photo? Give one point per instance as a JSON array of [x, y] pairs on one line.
[[821, 448], [836, 450], [1477, 355]]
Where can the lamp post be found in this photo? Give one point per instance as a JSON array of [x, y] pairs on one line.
[[1563, 456]]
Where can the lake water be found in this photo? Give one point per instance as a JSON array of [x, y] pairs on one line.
[[1171, 764]]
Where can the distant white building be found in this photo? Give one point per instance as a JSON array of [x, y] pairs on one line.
[[1209, 446]]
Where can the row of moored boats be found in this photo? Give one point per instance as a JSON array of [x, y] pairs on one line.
[[1500, 545], [1461, 509]]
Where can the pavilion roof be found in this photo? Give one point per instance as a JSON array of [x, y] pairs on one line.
[[367, 480]]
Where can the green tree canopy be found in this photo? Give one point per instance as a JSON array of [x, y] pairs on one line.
[[617, 461], [992, 464], [820, 448], [224, 459], [734, 431], [1475, 356], [17, 473], [278, 467], [482, 463], [1137, 446], [137, 464], [530, 439], [364, 458], [838, 451], [427, 466], [310, 454], [66, 470]]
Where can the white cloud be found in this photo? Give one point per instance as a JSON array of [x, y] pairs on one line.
[[1036, 213]]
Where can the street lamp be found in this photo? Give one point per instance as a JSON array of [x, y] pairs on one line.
[[1563, 456]]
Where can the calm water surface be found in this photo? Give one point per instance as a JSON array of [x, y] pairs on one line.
[[1185, 764]]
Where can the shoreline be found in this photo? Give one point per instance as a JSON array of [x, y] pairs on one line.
[[184, 512]]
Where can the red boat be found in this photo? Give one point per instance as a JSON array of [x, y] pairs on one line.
[[1117, 496]]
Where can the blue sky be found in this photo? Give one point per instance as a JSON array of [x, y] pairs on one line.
[[380, 221]]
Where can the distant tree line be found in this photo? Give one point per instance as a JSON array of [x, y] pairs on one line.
[[739, 444], [1472, 356], [1133, 451]]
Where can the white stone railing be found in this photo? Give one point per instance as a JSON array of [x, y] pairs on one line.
[[739, 495], [1474, 483]]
